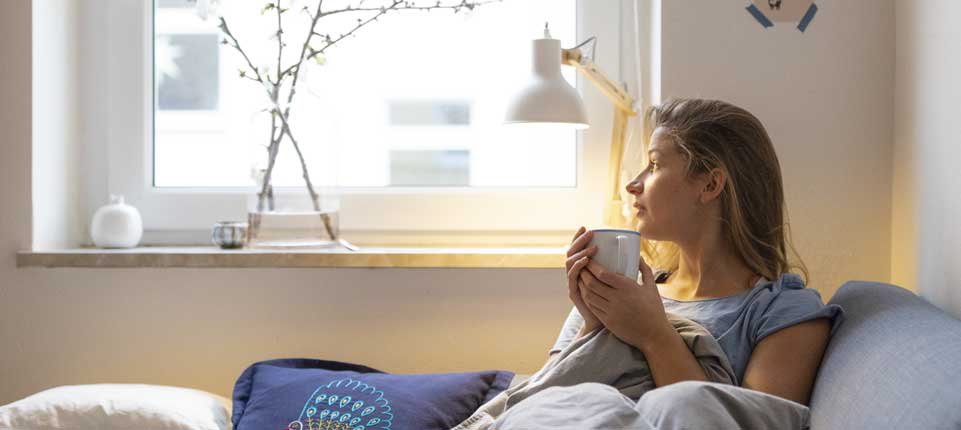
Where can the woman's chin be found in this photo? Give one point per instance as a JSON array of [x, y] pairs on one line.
[[643, 228]]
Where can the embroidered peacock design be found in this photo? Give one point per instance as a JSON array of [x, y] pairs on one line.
[[344, 404]]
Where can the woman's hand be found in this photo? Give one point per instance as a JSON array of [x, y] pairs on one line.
[[577, 258], [632, 311]]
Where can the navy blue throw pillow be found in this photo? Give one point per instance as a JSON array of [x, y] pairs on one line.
[[307, 394]]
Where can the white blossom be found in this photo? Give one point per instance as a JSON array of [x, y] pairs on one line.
[[207, 8]]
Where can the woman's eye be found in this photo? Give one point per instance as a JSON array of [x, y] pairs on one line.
[[652, 166]]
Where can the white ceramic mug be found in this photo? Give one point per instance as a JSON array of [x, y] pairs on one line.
[[618, 250]]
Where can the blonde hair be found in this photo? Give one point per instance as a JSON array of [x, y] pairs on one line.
[[715, 134]]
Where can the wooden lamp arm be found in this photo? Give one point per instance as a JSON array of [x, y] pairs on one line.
[[621, 99], [624, 109]]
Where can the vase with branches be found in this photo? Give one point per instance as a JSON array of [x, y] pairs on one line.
[[280, 76]]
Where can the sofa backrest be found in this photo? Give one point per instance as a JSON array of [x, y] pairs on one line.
[[895, 362]]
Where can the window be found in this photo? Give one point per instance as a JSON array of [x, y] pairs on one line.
[[405, 123], [376, 98]]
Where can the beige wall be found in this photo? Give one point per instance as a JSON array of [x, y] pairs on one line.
[[926, 234], [826, 96]]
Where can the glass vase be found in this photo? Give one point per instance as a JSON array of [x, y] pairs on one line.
[[292, 218]]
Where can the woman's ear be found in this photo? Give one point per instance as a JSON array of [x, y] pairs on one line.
[[714, 182]]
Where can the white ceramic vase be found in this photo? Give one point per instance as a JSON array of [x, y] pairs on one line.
[[116, 225]]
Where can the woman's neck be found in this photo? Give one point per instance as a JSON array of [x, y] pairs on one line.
[[708, 271]]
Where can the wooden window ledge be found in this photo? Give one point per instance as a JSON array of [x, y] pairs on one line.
[[208, 256]]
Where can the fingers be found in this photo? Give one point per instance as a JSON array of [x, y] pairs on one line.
[[602, 274], [592, 294], [601, 313], [579, 241], [586, 252], [595, 302], [594, 285], [647, 275], [576, 268]]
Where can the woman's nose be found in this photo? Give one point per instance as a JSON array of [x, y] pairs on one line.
[[635, 185]]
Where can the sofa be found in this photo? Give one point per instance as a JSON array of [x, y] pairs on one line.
[[895, 363]]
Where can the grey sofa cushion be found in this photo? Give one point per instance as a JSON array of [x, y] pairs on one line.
[[895, 363]]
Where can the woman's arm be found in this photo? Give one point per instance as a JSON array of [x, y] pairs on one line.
[[580, 333], [669, 358], [584, 331], [786, 362]]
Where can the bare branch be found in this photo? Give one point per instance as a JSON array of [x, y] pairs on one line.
[[303, 50], [409, 5], [314, 197], [236, 45], [280, 43], [395, 5], [360, 24]]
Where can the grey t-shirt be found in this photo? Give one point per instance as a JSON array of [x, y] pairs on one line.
[[740, 321]]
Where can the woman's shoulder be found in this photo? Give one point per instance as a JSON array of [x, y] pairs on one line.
[[786, 301], [786, 291], [788, 285]]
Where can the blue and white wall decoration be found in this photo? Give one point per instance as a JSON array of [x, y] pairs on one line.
[[767, 12]]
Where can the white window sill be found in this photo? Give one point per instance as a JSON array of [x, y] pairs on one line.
[[212, 257]]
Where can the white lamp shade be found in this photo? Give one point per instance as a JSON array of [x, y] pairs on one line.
[[547, 98]]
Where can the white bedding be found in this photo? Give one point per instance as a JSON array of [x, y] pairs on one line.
[[518, 379], [118, 406]]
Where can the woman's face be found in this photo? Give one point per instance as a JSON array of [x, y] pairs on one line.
[[665, 198]]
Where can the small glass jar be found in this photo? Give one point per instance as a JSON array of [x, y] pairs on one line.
[[229, 234]]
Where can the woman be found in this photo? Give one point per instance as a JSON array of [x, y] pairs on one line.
[[710, 210]]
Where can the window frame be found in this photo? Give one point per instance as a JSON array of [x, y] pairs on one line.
[[465, 212]]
